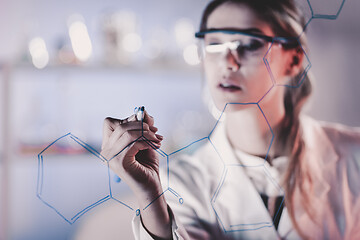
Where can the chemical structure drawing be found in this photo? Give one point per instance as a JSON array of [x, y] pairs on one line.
[[117, 186], [318, 10], [248, 220], [301, 76], [163, 164], [234, 172], [49, 179], [54, 177], [334, 8], [184, 164], [228, 168]]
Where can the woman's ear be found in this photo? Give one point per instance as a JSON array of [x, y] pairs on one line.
[[296, 62]]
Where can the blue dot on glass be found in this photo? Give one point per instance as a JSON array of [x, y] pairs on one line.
[[117, 179]]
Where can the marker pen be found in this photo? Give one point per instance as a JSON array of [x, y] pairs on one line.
[[140, 113]]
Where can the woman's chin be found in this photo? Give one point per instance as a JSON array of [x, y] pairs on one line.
[[232, 106]]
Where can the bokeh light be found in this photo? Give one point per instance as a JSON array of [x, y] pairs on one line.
[[190, 55], [184, 32], [132, 42], [39, 53], [80, 40]]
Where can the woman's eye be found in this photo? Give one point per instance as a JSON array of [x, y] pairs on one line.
[[254, 45], [214, 43]]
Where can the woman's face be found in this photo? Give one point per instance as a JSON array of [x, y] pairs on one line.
[[239, 79]]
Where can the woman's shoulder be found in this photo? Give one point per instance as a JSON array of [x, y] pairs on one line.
[[340, 135]]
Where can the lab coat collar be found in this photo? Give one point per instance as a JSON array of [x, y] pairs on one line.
[[254, 214], [319, 163]]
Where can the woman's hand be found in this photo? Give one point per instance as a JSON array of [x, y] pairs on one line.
[[129, 145]]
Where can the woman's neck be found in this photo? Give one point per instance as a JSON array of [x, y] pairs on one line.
[[248, 130]]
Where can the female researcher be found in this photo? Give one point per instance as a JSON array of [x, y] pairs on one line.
[[316, 164]]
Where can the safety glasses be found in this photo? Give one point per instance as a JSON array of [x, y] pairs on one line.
[[248, 47]]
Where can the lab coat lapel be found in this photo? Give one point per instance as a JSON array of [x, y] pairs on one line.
[[237, 193]]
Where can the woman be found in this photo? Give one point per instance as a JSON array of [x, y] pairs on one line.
[[316, 164]]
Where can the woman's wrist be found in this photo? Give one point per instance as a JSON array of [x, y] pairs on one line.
[[148, 192], [151, 196], [156, 237], [156, 218]]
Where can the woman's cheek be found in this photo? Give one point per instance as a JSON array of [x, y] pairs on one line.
[[258, 82], [211, 74]]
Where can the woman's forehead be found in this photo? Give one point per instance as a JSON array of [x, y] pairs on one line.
[[240, 16]]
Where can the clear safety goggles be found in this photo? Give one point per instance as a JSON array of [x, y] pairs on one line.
[[248, 47]]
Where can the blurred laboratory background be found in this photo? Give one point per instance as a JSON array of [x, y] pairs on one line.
[[66, 65]]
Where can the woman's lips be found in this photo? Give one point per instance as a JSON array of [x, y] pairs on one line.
[[228, 87]]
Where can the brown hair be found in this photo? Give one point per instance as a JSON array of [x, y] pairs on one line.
[[286, 20]]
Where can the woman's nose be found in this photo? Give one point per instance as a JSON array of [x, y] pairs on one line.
[[232, 63]]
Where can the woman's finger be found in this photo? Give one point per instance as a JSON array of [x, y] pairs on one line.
[[131, 152], [122, 128], [108, 128], [114, 128], [138, 146], [127, 139], [148, 119]]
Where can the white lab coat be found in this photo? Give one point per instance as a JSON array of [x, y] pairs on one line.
[[220, 201]]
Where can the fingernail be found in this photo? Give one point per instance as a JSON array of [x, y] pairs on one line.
[[159, 136], [131, 118], [157, 145]]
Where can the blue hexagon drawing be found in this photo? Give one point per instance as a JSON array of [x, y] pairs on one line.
[[300, 78], [319, 9], [262, 116], [61, 188], [183, 163], [326, 10], [229, 182], [72, 177], [247, 219], [117, 187]]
